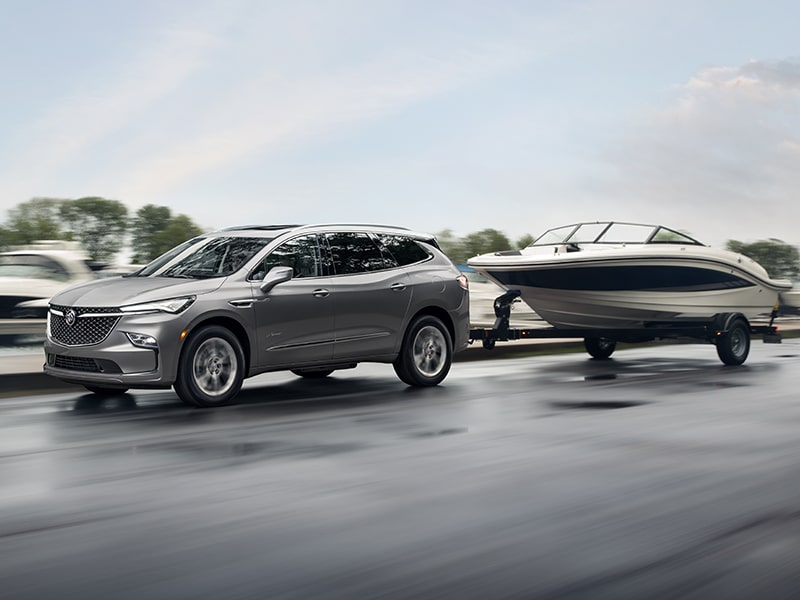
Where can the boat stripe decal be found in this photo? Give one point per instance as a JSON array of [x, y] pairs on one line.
[[622, 278]]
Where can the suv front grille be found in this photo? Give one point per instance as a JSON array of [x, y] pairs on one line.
[[74, 363], [81, 363], [91, 325]]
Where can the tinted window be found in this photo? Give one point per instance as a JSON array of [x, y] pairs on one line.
[[355, 253], [220, 257], [404, 250], [302, 254]]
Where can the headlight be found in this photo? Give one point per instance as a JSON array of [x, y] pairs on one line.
[[172, 305]]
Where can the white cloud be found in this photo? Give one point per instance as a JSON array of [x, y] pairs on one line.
[[723, 159], [95, 110]]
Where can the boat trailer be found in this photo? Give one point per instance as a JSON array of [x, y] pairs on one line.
[[729, 332]]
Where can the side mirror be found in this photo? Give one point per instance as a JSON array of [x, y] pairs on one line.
[[275, 276]]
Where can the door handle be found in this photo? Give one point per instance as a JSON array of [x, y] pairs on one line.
[[320, 293], [397, 287], [241, 303]]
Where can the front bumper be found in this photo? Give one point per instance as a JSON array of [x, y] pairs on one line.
[[116, 361]]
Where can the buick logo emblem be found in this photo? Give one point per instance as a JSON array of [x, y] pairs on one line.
[[70, 317]]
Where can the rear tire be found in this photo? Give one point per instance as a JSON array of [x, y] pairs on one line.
[[312, 374], [426, 354], [599, 348], [211, 368], [733, 346]]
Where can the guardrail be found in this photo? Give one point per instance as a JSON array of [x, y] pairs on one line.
[[23, 326]]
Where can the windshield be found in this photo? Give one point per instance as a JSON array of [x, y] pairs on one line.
[[554, 236], [218, 257], [159, 262], [215, 257]]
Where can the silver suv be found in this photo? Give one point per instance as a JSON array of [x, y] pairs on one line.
[[243, 301]]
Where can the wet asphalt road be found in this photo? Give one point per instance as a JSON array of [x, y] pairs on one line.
[[658, 474]]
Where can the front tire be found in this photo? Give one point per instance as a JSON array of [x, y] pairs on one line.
[[426, 354], [733, 346], [211, 368]]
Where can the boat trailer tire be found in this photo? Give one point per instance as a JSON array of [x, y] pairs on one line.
[[733, 345], [426, 353], [600, 348]]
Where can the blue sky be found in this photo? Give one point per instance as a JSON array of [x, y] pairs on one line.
[[519, 116]]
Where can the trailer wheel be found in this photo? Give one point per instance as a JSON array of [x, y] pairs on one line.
[[733, 346], [600, 348]]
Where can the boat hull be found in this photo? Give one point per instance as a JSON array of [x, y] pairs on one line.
[[634, 293], [583, 309]]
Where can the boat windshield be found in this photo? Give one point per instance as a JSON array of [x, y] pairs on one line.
[[613, 233], [619, 233], [554, 236]]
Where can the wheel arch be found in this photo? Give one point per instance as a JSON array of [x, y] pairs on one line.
[[439, 313], [232, 325]]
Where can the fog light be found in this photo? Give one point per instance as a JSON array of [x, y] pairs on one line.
[[142, 340]]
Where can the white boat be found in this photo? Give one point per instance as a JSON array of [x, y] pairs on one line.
[[790, 300], [614, 275]]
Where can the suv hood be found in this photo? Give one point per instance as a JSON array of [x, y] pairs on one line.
[[119, 291]]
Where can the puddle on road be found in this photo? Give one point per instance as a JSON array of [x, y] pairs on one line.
[[202, 451], [440, 432], [720, 385], [594, 404], [602, 377]]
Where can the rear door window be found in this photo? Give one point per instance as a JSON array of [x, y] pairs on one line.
[[355, 253]]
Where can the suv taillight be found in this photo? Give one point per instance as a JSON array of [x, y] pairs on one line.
[[463, 282]]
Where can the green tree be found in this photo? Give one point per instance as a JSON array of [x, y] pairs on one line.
[[149, 221], [481, 242], [36, 219], [5, 238], [98, 223], [177, 230], [451, 245], [525, 240], [777, 257]]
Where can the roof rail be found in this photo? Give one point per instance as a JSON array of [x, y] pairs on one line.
[[260, 227]]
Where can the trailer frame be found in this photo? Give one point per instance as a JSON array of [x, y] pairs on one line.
[[729, 332]]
